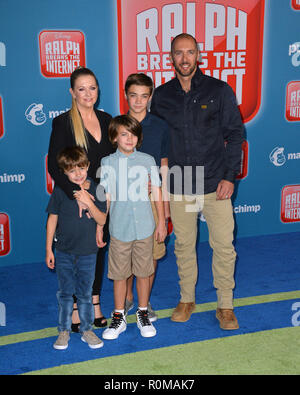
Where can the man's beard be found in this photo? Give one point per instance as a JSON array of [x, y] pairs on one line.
[[185, 73]]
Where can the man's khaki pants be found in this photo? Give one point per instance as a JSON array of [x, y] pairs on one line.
[[219, 218]]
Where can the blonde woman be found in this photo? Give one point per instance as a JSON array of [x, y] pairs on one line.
[[87, 127]]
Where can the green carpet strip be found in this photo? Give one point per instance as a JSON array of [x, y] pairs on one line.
[[261, 353], [49, 332]]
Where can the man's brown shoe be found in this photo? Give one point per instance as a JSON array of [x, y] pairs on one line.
[[227, 319], [183, 312]]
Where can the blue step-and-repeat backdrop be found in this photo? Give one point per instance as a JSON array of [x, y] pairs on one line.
[[254, 45]]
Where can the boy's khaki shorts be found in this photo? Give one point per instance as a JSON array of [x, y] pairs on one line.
[[159, 249], [127, 258]]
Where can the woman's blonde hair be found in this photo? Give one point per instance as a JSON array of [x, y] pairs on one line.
[[76, 120]]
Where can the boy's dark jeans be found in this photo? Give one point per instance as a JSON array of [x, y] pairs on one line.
[[75, 274]]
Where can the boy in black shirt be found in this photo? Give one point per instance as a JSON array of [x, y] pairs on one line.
[[75, 244], [138, 90]]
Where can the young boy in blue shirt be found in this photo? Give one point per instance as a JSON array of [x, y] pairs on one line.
[[75, 245], [125, 176], [138, 92]]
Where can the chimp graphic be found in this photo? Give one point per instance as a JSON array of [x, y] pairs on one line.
[[35, 114], [277, 156]]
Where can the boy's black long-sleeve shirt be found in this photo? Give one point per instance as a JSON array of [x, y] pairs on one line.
[[206, 130]]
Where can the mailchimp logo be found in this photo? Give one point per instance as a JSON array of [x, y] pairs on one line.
[[35, 114], [277, 156]]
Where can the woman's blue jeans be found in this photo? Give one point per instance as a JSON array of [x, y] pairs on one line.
[[75, 275]]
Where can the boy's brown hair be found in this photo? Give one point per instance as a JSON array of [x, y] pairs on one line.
[[140, 79], [71, 157], [129, 123]]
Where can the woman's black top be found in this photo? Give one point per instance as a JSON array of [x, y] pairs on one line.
[[62, 137]]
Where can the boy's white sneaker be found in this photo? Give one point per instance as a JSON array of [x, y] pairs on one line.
[[143, 322], [118, 325]]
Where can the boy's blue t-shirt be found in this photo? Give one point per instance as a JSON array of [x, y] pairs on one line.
[[74, 235], [155, 137]]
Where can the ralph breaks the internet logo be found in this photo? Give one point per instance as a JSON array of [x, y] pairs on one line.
[[229, 34], [61, 52], [1, 119], [49, 180], [4, 234], [290, 203], [292, 108], [295, 4], [244, 161]]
